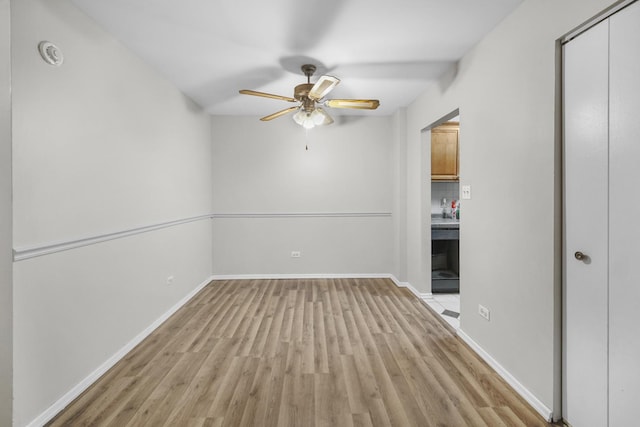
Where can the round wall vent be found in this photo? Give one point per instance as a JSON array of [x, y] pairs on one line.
[[51, 54]]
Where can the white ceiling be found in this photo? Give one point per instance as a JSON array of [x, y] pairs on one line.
[[386, 50]]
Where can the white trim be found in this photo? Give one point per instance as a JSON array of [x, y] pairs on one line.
[[421, 295], [302, 215], [21, 254], [540, 407], [68, 397], [300, 276]]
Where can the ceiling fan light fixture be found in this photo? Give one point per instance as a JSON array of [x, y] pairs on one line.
[[308, 123], [320, 117], [299, 116], [304, 119]]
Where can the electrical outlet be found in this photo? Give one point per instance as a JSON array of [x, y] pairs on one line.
[[170, 280], [295, 254], [483, 311]]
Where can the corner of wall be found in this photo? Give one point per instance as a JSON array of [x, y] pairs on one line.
[[557, 240], [6, 224], [400, 194]]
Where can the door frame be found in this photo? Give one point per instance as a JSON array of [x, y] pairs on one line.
[[425, 191]]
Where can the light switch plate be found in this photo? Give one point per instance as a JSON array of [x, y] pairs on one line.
[[466, 192]]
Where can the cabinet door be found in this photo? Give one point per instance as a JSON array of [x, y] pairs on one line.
[[444, 153]]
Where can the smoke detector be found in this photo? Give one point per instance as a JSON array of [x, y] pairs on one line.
[[51, 54]]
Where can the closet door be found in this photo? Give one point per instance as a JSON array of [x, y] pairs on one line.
[[586, 221], [624, 229]]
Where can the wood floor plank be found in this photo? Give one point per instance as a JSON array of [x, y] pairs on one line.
[[396, 378], [226, 388], [170, 390], [312, 352], [298, 326], [257, 392], [491, 417], [242, 392], [308, 348], [392, 401], [355, 395], [100, 403], [220, 311], [320, 343], [362, 420], [206, 384], [378, 413], [332, 303], [268, 333], [268, 408], [234, 319]]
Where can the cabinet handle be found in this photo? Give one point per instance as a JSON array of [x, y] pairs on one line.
[[579, 256]]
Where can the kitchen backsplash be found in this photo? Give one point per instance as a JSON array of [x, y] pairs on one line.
[[446, 190]]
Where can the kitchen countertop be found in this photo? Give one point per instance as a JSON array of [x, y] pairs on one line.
[[438, 222]]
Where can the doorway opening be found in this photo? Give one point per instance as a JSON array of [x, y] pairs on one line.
[[441, 215]]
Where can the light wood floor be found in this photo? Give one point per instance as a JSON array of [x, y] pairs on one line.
[[340, 352]]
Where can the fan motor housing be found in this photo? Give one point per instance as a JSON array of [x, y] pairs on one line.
[[301, 93]]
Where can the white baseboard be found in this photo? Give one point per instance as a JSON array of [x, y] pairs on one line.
[[540, 407], [68, 397], [422, 295], [300, 276]]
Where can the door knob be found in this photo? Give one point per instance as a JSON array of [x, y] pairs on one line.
[[579, 256]]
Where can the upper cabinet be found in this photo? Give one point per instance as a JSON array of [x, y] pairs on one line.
[[444, 152]]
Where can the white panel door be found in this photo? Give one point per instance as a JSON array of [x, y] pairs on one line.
[[624, 229], [586, 222]]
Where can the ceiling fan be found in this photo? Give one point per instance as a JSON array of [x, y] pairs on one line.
[[309, 98]]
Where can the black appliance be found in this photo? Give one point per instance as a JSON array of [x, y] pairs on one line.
[[445, 256]]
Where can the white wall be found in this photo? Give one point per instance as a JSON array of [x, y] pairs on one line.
[[263, 168], [509, 251], [6, 286], [100, 145]]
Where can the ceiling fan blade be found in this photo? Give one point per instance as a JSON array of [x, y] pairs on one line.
[[323, 86], [278, 114], [361, 104], [267, 95]]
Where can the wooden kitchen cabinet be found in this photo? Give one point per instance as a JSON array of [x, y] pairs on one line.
[[444, 152]]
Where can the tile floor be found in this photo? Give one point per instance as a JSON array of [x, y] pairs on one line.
[[448, 306]]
